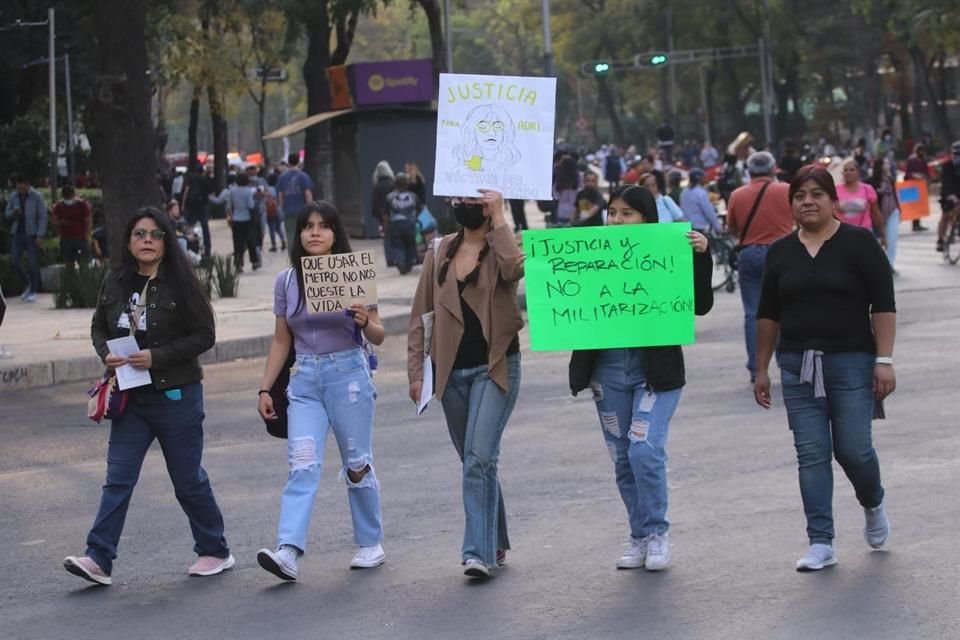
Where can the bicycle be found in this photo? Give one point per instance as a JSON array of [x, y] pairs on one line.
[[951, 242], [724, 276]]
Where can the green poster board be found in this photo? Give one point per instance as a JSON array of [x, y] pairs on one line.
[[608, 287]]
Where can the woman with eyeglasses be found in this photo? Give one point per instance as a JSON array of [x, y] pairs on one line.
[[470, 285], [155, 297], [330, 389]]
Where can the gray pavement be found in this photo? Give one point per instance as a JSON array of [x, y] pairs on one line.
[[735, 510]]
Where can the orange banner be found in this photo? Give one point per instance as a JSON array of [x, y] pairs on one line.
[[340, 97], [914, 199]]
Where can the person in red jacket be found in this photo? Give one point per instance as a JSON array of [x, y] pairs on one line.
[[71, 217]]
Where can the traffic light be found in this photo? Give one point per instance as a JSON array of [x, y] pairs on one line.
[[601, 68], [658, 59]]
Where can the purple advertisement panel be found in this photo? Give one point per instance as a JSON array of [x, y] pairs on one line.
[[392, 82]]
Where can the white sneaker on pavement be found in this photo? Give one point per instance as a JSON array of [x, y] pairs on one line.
[[281, 563], [877, 526], [30, 297], [368, 557], [658, 552], [818, 557], [5, 354], [635, 555], [473, 568]]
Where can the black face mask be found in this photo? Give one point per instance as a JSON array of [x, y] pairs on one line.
[[469, 216]]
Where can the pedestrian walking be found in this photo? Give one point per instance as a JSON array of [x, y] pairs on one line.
[[758, 214], [271, 208], [196, 204], [827, 308], [403, 207], [383, 184], [949, 193], [917, 169], [636, 391], [613, 168], [155, 297], [859, 202], [294, 190], [469, 284], [590, 203], [330, 389], [667, 209], [74, 222], [27, 213], [697, 207], [241, 213], [884, 184], [519, 214]]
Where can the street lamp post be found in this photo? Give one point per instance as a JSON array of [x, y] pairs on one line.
[[52, 55], [547, 42]]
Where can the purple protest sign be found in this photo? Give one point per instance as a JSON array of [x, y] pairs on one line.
[[396, 81]]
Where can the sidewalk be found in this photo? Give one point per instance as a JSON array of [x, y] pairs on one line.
[[52, 346]]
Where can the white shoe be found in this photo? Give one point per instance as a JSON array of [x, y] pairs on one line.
[[30, 297], [877, 526], [658, 552], [635, 556], [818, 557], [281, 563], [473, 568], [5, 354], [368, 557]]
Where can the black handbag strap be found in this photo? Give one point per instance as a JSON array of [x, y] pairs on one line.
[[753, 212]]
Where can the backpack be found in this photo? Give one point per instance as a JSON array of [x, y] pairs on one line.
[[271, 205]]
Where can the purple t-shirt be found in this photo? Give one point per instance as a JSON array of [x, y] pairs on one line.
[[313, 333]]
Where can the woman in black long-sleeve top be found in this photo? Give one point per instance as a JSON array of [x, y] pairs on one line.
[[828, 295], [637, 391]]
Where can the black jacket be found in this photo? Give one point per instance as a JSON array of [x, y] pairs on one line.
[[663, 366], [180, 326]]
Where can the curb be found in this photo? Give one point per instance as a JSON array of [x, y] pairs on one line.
[[88, 369]]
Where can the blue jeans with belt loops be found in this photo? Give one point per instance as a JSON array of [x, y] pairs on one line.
[[330, 390], [477, 411], [635, 421]]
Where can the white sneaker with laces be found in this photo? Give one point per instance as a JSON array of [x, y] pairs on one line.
[[635, 555], [368, 557], [473, 568], [877, 526], [818, 557], [281, 563], [658, 552]]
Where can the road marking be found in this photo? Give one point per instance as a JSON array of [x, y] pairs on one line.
[[31, 543]]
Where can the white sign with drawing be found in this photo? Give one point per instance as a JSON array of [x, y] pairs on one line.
[[495, 132]]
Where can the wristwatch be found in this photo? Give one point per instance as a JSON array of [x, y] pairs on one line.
[[884, 360]]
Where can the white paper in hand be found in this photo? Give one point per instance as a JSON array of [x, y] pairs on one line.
[[128, 376], [426, 390]]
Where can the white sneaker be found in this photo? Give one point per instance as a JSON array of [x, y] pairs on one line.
[[26, 294], [658, 552], [5, 354], [368, 557], [635, 555], [818, 556], [473, 568], [30, 297], [877, 526], [281, 563]]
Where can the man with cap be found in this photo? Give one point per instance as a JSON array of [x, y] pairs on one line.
[[949, 193], [768, 201], [696, 206]]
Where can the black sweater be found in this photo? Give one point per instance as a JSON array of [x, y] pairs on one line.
[[663, 366], [825, 303]]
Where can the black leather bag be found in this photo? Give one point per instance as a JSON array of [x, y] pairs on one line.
[[278, 393]]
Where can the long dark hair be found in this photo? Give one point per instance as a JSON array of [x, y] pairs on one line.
[[640, 199], [452, 251], [175, 264], [876, 178], [341, 244]]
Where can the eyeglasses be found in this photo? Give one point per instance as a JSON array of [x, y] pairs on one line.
[[156, 234]]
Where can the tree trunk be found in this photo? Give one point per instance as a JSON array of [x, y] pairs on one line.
[[192, 127], [318, 161], [161, 132], [431, 8], [121, 130], [219, 125], [606, 98]]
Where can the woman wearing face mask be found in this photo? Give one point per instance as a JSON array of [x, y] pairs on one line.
[[636, 391], [156, 293], [330, 389], [470, 283]]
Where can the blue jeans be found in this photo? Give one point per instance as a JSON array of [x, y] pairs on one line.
[[893, 234], [275, 224], [835, 426], [635, 421], [331, 390], [30, 275], [750, 270], [477, 411], [178, 426], [402, 234]]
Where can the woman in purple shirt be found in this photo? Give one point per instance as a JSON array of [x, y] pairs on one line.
[[330, 388]]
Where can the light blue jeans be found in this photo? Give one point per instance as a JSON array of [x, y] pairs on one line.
[[750, 270], [477, 411], [330, 390], [893, 233], [635, 421]]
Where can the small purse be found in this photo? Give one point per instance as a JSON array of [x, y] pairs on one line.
[[106, 400]]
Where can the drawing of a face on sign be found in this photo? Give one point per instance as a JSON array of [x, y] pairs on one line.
[[487, 141]]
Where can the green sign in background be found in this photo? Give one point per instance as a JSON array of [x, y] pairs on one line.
[[609, 287]]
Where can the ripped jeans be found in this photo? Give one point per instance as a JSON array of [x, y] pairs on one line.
[[635, 421], [330, 390]]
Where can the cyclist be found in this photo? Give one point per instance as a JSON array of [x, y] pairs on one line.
[[949, 193]]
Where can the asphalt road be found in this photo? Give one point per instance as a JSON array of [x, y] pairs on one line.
[[737, 524]]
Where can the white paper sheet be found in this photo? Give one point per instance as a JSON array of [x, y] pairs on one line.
[[128, 376], [426, 391]]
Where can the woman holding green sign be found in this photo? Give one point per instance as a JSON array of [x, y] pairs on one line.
[[637, 391], [468, 294]]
